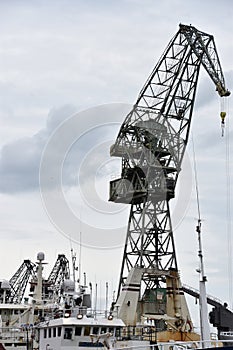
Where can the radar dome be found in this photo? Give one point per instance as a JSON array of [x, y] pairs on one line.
[[40, 256]]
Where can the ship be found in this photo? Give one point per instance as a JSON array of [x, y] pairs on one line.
[[26, 299], [62, 315]]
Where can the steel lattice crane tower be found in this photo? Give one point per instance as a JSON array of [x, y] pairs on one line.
[[151, 143]]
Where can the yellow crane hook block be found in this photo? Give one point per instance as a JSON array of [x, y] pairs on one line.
[[223, 116]]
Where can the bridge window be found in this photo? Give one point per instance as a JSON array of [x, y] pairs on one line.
[[95, 330], [78, 330], [118, 331], [87, 330], [45, 333], [58, 331], [54, 332], [103, 329], [68, 333]]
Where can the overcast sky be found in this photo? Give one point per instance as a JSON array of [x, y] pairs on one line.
[[87, 61]]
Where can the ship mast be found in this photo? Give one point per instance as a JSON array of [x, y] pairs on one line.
[[204, 323], [203, 308]]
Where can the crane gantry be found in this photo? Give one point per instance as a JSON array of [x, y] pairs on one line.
[[151, 143]]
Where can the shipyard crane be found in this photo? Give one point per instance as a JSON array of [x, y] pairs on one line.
[[51, 287], [151, 143], [59, 273], [13, 291], [19, 281]]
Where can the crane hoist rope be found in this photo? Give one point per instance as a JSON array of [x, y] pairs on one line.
[[228, 211]]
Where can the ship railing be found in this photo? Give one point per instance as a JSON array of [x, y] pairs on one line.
[[139, 333], [175, 345], [13, 333], [75, 312]]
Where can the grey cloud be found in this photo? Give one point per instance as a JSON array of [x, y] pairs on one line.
[[86, 150], [20, 160], [80, 146], [19, 164], [57, 116]]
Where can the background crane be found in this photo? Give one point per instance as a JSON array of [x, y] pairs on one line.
[[151, 143], [52, 287], [19, 281], [59, 273], [13, 291]]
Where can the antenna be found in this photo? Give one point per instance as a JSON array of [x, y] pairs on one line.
[[91, 295], [95, 304], [80, 251], [106, 306], [80, 246], [205, 329], [73, 259], [73, 256]]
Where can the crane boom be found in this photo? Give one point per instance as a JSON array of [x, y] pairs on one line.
[[204, 47], [19, 280], [59, 273], [151, 143]]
